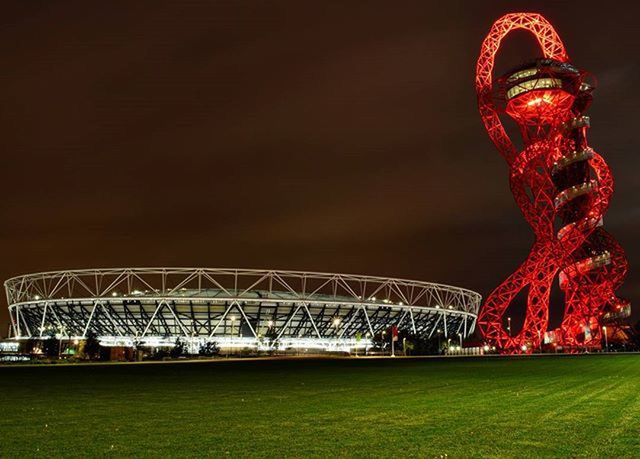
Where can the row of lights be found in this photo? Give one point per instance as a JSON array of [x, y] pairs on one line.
[[138, 292], [232, 318], [373, 298]]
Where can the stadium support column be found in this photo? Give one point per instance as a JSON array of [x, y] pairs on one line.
[[44, 317], [88, 324], [13, 322], [444, 318], [393, 346]]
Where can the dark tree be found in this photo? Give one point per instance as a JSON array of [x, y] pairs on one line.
[[30, 345], [92, 346], [179, 349], [381, 341], [51, 346], [418, 345], [209, 349], [272, 336]]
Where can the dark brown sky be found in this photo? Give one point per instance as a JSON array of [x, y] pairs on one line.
[[327, 136]]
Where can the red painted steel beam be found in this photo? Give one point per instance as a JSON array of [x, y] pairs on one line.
[[563, 188]]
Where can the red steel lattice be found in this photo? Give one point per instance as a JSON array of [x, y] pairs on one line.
[[563, 188]]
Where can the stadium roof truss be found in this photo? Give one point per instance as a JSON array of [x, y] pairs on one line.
[[234, 307]]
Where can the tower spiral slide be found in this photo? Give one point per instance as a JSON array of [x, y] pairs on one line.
[[563, 188]]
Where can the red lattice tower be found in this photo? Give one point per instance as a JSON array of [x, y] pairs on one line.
[[563, 188]]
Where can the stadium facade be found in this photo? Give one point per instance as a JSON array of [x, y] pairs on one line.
[[236, 308]]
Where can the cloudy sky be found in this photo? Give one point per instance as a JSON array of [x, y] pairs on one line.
[[324, 136]]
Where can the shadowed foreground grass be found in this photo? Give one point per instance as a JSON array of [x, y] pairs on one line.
[[552, 406]]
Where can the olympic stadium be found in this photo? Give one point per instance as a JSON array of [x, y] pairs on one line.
[[235, 308]]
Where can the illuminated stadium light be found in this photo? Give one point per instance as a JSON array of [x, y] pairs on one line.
[[236, 308]]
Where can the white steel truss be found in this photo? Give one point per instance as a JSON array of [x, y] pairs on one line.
[[263, 307]]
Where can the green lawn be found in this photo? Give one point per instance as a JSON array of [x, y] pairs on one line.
[[552, 406]]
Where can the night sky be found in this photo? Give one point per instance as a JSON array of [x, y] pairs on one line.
[[321, 136]]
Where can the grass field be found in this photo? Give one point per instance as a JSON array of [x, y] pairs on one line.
[[552, 406]]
